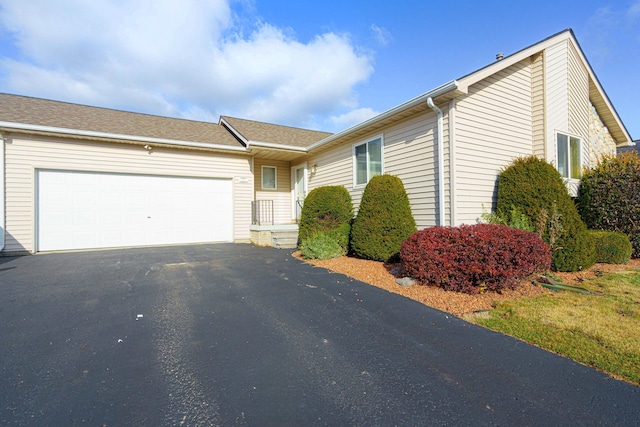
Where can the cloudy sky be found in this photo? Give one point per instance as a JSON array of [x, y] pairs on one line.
[[318, 64]]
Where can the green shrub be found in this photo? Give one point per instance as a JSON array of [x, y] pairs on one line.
[[327, 210], [384, 219], [517, 219], [609, 197], [535, 188], [575, 252], [612, 247], [321, 246]]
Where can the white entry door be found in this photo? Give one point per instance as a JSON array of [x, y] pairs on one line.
[[82, 210], [299, 178]]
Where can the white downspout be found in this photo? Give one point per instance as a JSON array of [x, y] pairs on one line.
[[440, 155], [2, 193]]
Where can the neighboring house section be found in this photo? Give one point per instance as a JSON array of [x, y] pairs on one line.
[[635, 147], [76, 175]]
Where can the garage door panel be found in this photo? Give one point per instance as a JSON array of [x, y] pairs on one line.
[[78, 210]]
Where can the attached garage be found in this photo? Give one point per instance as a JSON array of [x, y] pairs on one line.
[[85, 210], [80, 177]]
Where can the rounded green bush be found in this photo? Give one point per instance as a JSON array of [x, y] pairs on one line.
[[327, 210], [384, 219], [537, 189], [612, 247], [575, 252], [609, 197], [321, 246]]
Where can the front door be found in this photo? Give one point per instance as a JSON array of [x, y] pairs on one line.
[[299, 177]]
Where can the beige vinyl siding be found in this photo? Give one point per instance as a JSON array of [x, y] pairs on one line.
[[451, 163], [408, 153], [557, 94], [281, 196], [24, 155], [579, 107], [493, 126], [537, 88], [334, 167]]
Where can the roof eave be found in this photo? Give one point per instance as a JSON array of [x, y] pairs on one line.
[[27, 128], [597, 94], [446, 88], [251, 144], [234, 132]]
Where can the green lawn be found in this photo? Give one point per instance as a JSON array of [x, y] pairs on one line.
[[600, 331]]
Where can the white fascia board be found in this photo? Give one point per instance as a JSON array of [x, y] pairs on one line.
[[440, 90], [275, 145], [2, 193], [509, 60], [93, 134], [233, 130]]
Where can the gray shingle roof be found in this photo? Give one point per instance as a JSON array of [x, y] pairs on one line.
[[634, 147], [275, 134], [43, 112]]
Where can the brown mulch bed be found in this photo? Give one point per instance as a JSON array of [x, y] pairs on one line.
[[378, 274]]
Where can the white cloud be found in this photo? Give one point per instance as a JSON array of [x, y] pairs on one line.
[[633, 12], [353, 117], [381, 34], [609, 30], [190, 58]]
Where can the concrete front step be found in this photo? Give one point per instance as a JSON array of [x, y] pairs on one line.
[[284, 239], [278, 236]]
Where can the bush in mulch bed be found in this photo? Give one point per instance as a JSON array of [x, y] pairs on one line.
[[474, 258]]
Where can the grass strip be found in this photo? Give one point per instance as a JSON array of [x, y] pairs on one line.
[[597, 330]]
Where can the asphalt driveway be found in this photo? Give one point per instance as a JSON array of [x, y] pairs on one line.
[[233, 334]]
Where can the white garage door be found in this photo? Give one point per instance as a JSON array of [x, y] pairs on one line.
[[82, 210]]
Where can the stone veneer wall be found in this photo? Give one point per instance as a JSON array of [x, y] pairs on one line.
[[601, 143]]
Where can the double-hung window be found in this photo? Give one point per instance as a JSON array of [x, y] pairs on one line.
[[367, 161], [269, 178], [569, 155]]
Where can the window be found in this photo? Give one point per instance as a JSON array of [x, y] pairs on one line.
[[367, 161], [569, 155], [269, 178]]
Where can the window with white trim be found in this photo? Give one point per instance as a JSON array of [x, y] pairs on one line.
[[269, 174], [367, 161], [569, 155]]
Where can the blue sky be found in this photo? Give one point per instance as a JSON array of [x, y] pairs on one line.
[[318, 64]]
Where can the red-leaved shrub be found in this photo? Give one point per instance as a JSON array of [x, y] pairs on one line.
[[472, 258]]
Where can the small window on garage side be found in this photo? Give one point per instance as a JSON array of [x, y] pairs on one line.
[[367, 161], [269, 178], [569, 155]]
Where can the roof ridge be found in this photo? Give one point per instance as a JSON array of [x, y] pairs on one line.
[[274, 124], [107, 108], [569, 30]]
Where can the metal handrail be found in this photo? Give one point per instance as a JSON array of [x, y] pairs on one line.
[[262, 212]]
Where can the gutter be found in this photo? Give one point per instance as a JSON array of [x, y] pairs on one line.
[[440, 153], [93, 134], [2, 194], [275, 145], [447, 87]]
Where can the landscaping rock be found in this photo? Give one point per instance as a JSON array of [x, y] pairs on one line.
[[406, 281]]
